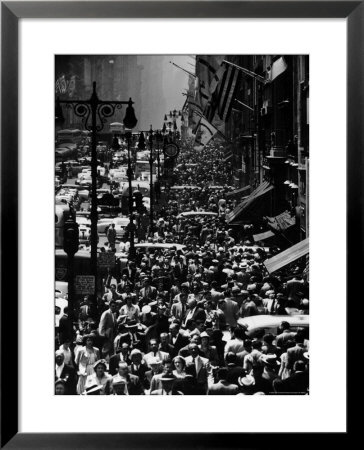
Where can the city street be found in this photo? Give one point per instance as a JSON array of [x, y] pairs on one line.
[[182, 231]]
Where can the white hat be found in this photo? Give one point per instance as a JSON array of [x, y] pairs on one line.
[[248, 380], [146, 309], [204, 334]]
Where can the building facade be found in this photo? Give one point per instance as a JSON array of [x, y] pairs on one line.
[[268, 129]]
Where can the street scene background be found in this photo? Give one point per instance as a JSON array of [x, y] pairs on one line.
[[182, 225]]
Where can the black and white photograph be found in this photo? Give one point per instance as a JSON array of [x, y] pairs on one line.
[[182, 214]]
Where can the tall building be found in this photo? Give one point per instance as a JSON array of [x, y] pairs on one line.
[[153, 103], [117, 78]]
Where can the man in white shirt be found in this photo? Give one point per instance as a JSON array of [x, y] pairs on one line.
[[235, 345], [155, 353], [59, 363], [65, 372], [194, 312], [132, 312], [203, 371]]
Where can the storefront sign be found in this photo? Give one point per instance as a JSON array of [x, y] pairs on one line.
[[85, 284]]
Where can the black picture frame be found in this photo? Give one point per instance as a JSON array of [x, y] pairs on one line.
[[11, 13]]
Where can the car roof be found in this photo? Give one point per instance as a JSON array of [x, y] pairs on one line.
[[61, 302], [160, 245], [268, 321], [135, 183], [184, 187], [197, 213]]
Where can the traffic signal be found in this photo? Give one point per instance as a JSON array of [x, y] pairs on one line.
[[138, 200], [70, 237], [141, 142], [115, 143]]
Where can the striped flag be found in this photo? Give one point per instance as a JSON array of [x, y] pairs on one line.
[[212, 104], [207, 67], [217, 78], [225, 93], [194, 105], [276, 69], [206, 131]]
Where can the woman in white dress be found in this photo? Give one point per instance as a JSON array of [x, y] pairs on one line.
[[179, 364], [85, 360], [99, 378], [284, 372]]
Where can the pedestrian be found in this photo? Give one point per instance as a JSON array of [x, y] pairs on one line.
[[100, 378], [111, 236], [85, 360], [223, 386], [107, 325]]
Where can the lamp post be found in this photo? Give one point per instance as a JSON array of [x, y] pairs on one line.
[[70, 246], [102, 110], [170, 146], [150, 139], [128, 137], [157, 136], [172, 123]]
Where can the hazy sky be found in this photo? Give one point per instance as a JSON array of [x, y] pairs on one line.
[[155, 84], [162, 87]]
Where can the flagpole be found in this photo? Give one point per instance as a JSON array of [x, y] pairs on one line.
[[243, 104], [247, 72], [184, 70]]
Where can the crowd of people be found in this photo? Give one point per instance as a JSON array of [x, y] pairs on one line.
[[170, 322]]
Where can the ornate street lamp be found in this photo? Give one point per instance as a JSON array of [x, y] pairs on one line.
[[131, 227], [98, 111], [150, 139]]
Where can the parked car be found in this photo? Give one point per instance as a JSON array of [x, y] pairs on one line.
[[83, 193], [61, 289], [60, 304], [270, 324], [120, 225], [84, 229], [151, 247], [68, 196], [76, 167], [86, 214], [196, 214], [58, 172]]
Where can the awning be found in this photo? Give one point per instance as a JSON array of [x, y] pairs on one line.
[[288, 256], [239, 191], [263, 236], [261, 190], [281, 222]]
